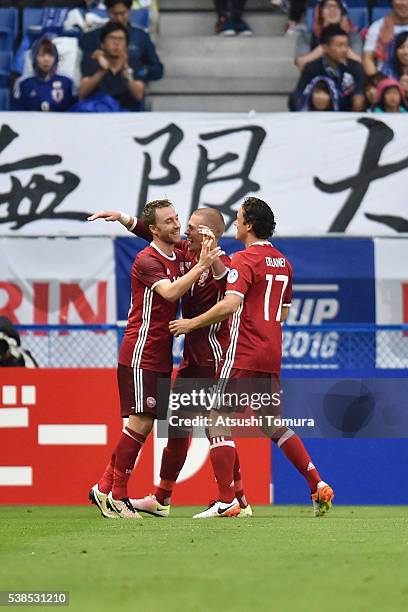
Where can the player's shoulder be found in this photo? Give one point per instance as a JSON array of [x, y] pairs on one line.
[[280, 257], [147, 256]]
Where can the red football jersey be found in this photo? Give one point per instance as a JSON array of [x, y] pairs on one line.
[[203, 347], [147, 342], [263, 277], [206, 346]]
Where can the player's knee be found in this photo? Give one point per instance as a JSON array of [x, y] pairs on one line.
[[141, 423]]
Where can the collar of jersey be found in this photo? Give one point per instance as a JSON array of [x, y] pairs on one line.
[[161, 252], [262, 243]]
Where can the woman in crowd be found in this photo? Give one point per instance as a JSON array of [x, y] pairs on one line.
[[320, 95], [390, 97], [396, 66], [326, 12], [45, 90]]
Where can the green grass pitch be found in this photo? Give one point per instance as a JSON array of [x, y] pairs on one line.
[[354, 559]]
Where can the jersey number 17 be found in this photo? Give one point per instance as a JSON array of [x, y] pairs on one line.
[[282, 278]]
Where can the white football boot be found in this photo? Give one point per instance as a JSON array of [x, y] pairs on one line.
[[122, 507], [99, 499], [219, 509], [150, 505]]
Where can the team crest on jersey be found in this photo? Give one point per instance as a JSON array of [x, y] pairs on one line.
[[57, 92], [232, 276], [151, 402], [203, 278]]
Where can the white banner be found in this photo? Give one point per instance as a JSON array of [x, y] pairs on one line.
[[320, 172], [391, 301], [58, 281]]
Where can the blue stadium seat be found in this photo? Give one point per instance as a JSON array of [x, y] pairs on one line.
[[141, 18], [6, 58], [8, 29], [4, 100], [32, 17], [358, 16], [381, 11]]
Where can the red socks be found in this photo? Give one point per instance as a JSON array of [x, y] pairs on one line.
[[106, 481], [238, 486], [126, 452], [173, 459], [294, 450], [222, 455]]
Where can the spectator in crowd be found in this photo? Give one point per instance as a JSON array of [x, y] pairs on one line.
[[112, 70], [45, 90], [396, 66], [140, 43], [381, 34], [230, 20], [347, 74], [296, 10], [370, 89], [320, 95], [390, 97], [12, 355], [326, 12]]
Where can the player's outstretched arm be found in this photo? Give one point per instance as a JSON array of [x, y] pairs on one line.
[[132, 224], [114, 215], [172, 291], [222, 310]]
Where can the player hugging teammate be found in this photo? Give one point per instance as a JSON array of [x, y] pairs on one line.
[[253, 290]]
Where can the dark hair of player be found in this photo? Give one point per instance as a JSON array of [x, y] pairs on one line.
[[110, 27], [260, 216], [330, 32], [110, 3], [149, 211]]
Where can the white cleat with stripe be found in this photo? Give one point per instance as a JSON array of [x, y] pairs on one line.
[[219, 509]]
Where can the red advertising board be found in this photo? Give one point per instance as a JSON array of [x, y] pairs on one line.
[[59, 426]]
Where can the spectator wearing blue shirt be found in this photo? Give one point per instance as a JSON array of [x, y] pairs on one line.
[[45, 90], [347, 74], [140, 44]]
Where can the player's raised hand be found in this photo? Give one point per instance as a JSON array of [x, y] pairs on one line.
[[108, 215], [208, 255], [180, 327], [206, 231]]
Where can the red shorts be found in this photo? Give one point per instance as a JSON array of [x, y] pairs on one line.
[[143, 391]]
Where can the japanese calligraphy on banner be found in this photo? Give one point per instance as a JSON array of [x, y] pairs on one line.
[[321, 172]]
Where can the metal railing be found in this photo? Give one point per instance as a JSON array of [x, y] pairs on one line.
[[367, 347]]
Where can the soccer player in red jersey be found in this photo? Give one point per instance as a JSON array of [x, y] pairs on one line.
[[203, 349], [145, 356], [258, 297]]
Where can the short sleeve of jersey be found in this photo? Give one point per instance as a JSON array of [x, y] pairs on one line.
[[240, 276], [150, 271], [287, 296], [141, 231]]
